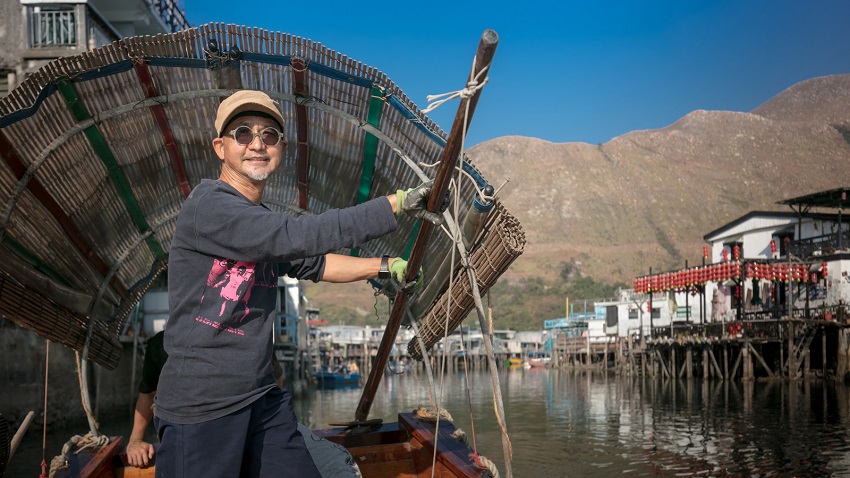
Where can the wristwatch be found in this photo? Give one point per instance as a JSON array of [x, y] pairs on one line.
[[384, 271]]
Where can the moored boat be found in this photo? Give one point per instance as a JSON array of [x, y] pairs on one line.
[[538, 360], [341, 375]]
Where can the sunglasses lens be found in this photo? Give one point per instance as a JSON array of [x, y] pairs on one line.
[[270, 136], [243, 135]]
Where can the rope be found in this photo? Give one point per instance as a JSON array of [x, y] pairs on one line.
[[472, 86], [44, 426], [84, 396], [76, 444], [429, 416], [425, 359], [468, 395], [485, 462]]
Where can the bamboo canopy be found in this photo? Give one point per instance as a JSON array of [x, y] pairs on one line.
[[99, 150]]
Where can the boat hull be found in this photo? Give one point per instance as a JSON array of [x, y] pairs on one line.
[[403, 449]]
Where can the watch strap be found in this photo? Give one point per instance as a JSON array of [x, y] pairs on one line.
[[384, 271]]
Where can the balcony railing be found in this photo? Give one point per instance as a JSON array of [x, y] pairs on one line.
[[826, 244], [51, 28], [172, 16]]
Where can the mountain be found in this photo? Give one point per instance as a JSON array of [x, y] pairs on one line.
[[645, 199]]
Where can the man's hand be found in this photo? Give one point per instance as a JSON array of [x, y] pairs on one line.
[[139, 453], [398, 269], [414, 201]]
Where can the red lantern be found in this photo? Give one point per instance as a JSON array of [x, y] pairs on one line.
[[772, 246], [705, 252], [725, 255], [823, 271], [736, 253]]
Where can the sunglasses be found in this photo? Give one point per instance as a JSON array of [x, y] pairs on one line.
[[244, 136]]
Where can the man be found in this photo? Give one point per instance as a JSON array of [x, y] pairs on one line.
[[332, 460], [218, 411]]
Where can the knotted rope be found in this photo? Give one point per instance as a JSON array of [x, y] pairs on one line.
[[76, 444], [472, 86]]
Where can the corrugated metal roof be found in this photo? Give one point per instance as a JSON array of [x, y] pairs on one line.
[[82, 127]]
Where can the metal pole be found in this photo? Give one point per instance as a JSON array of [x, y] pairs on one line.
[[448, 160]]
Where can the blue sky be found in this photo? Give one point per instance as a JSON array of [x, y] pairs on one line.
[[569, 71]]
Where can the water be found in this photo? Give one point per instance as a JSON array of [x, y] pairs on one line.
[[579, 424]]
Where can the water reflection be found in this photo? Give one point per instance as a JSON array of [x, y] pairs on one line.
[[579, 424], [568, 423]]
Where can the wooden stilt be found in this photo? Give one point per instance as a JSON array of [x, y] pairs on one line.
[[738, 361], [842, 365], [760, 359], [605, 358], [673, 363], [822, 353], [718, 373], [726, 362], [792, 365], [807, 363]]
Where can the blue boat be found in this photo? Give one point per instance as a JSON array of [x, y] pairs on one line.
[[340, 375]]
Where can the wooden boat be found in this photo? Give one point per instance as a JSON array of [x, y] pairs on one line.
[[397, 449], [124, 131]]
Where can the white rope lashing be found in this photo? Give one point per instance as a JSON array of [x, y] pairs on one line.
[[475, 84]]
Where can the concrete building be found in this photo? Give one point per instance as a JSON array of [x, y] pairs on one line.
[[35, 32]]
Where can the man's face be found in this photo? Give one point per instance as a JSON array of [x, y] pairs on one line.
[[256, 161]]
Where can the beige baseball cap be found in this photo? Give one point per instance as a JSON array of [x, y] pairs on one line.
[[246, 101]]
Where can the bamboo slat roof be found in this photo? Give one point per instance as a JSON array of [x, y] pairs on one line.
[[99, 150]]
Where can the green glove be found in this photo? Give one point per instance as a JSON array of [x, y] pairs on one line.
[[414, 201], [398, 268]]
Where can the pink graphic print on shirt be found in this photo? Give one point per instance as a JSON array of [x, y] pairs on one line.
[[231, 283]]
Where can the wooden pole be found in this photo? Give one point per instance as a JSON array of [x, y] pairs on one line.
[[448, 161]]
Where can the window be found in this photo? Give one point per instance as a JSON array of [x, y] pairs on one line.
[[4, 83], [52, 26], [633, 314]]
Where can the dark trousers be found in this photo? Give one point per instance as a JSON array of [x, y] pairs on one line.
[[259, 441]]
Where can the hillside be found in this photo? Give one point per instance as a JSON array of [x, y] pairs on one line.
[[645, 199]]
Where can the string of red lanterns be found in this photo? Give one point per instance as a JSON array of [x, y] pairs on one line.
[[686, 279]]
